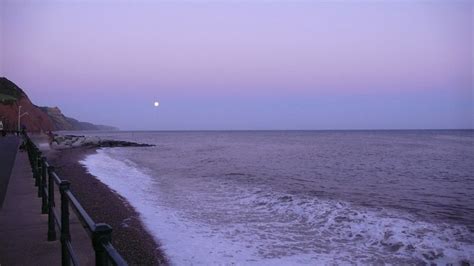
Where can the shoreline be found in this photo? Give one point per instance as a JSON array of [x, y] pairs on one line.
[[129, 236]]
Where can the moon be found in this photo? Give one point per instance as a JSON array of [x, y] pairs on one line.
[[157, 104]]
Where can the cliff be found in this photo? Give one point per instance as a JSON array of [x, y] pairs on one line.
[[63, 122], [38, 118]]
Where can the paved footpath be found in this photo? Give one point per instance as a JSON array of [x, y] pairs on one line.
[[8, 148], [23, 229]]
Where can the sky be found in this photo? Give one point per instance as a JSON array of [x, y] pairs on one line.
[[245, 65]]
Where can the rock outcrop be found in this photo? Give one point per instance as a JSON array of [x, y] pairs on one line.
[[38, 118], [72, 141]]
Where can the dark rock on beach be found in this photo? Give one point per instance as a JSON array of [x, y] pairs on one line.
[[116, 143], [68, 141]]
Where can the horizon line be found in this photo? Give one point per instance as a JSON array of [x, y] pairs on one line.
[[195, 130]]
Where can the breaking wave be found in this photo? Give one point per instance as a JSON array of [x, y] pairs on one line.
[[234, 224]]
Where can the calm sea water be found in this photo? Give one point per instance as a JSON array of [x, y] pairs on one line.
[[299, 197]]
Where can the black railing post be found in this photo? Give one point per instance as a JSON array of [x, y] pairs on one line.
[[102, 234], [33, 158], [39, 170], [33, 150], [44, 199], [26, 141], [36, 155], [51, 226], [33, 154], [65, 235], [29, 149]]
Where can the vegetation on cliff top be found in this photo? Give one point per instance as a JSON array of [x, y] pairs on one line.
[[9, 91]]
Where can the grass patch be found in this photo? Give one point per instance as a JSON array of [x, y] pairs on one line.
[[4, 98]]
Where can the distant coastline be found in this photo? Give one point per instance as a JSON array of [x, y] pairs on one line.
[[13, 99]]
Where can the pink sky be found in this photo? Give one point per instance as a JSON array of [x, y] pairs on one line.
[[254, 54]]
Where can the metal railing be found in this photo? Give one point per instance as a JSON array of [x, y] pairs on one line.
[[100, 233]]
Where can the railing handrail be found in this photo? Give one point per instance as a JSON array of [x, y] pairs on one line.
[[81, 213], [100, 233]]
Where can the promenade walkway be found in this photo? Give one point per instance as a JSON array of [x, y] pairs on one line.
[[8, 149], [23, 229]]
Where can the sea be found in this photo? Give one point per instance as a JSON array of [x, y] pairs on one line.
[[298, 197]]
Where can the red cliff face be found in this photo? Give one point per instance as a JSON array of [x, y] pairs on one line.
[[11, 97], [36, 120]]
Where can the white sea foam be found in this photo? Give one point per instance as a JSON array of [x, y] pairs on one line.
[[239, 225], [183, 242]]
